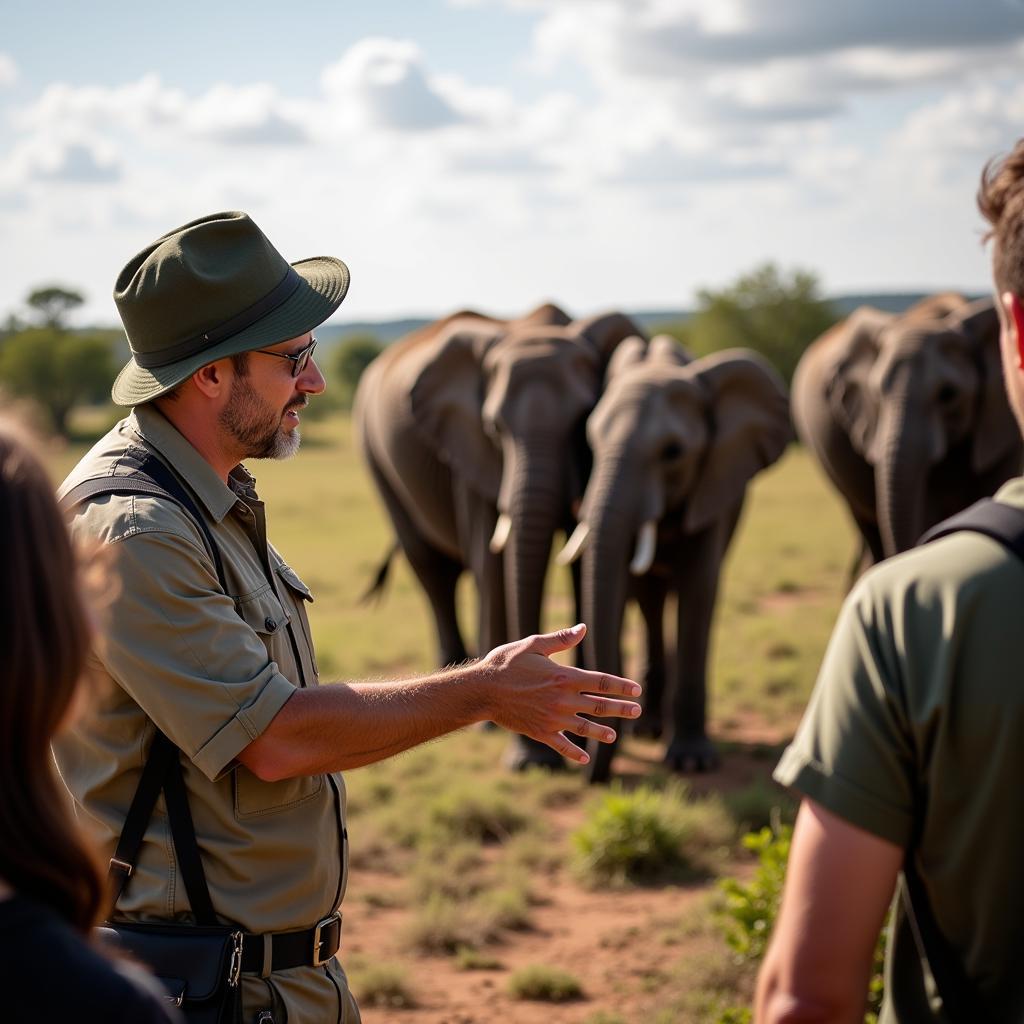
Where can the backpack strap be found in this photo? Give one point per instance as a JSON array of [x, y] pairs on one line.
[[149, 476], [1003, 523]]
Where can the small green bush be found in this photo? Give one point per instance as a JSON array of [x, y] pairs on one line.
[[467, 959], [384, 985], [756, 806], [750, 910], [648, 834], [544, 984]]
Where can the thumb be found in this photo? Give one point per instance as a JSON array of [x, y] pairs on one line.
[[560, 640]]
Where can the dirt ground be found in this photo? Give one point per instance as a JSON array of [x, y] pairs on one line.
[[630, 950]]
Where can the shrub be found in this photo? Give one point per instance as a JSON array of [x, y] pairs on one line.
[[544, 984], [756, 806], [383, 985], [467, 959], [648, 834]]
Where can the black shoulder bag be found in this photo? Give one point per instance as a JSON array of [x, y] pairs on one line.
[[200, 965], [961, 998]]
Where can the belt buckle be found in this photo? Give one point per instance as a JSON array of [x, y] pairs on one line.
[[318, 941]]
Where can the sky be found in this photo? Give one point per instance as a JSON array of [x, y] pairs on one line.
[[496, 153]]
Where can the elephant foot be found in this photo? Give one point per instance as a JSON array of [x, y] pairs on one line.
[[525, 753], [647, 727], [692, 754]]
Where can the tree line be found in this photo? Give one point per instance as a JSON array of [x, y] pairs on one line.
[[60, 369]]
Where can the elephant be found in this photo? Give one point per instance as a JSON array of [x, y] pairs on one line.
[[675, 442], [472, 429], [908, 416]]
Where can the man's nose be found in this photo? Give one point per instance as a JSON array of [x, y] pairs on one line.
[[311, 381]]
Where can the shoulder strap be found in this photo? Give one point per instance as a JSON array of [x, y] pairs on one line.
[[1003, 523], [149, 476]]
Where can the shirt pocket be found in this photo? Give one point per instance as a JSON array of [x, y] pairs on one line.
[[300, 594], [269, 619]]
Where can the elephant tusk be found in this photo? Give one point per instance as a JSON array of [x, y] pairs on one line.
[[501, 533], [575, 545], [646, 542]]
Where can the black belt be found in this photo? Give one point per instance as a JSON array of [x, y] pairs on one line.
[[310, 947]]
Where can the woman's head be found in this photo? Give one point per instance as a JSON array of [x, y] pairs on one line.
[[45, 636]]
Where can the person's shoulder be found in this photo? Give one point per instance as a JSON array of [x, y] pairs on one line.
[[962, 567], [92, 987]]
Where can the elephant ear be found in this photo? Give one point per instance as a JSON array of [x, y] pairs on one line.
[[750, 429], [996, 433], [668, 351], [630, 352], [447, 399], [856, 344], [606, 331]]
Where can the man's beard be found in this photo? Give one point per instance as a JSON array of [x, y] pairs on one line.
[[255, 426]]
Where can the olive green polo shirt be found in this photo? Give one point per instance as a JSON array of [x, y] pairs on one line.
[[211, 669], [915, 733]]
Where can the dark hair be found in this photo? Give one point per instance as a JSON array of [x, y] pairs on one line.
[[1001, 201], [45, 637]]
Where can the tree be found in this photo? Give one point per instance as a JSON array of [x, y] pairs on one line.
[[351, 356], [772, 312], [56, 369], [53, 303]]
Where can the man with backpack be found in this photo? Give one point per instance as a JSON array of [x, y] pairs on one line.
[[909, 757], [211, 766]]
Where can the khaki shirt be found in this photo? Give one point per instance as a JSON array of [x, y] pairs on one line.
[[211, 670]]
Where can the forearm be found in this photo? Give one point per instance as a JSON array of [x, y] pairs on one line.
[[347, 725]]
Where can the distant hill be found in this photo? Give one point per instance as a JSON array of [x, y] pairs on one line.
[[389, 330]]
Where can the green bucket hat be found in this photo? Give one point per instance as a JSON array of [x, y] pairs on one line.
[[213, 288]]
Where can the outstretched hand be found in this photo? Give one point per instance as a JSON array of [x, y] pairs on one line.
[[544, 700]]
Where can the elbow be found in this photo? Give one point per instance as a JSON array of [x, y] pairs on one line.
[[267, 761], [778, 1003]]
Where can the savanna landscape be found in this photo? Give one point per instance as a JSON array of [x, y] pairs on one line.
[[477, 895]]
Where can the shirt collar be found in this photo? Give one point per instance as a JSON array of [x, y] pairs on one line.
[[156, 430]]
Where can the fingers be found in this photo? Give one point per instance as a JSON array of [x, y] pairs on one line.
[[560, 640], [566, 748], [604, 708], [592, 730]]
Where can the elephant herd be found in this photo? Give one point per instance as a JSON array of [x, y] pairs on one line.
[[487, 438]]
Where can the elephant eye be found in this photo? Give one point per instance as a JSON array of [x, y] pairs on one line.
[[672, 451], [947, 394]]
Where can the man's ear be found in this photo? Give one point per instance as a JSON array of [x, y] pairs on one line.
[[213, 379], [1013, 310]]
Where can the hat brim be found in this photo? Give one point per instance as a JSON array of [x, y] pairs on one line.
[[324, 282]]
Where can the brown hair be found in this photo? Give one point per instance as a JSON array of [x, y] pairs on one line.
[[45, 636], [1001, 201]]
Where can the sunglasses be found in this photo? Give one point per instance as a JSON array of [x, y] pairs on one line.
[[300, 360]]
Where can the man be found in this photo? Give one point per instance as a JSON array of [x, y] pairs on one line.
[[220, 328], [910, 753]]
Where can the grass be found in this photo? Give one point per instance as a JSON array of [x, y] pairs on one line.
[[382, 985], [544, 984], [649, 835]]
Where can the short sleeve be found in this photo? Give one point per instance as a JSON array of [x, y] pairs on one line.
[[178, 647], [853, 751]]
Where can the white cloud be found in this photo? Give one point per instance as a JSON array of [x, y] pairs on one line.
[[384, 82], [8, 70]]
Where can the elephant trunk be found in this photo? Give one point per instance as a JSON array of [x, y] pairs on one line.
[[613, 522], [901, 471], [536, 509]]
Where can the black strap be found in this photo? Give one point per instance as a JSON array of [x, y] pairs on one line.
[[961, 998], [1003, 523], [149, 476]]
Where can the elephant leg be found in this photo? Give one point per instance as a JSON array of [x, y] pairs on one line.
[[575, 571], [437, 572], [475, 520], [697, 571], [651, 592]]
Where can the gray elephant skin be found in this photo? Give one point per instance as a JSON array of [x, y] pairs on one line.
[[675, 443], [473, 432], [908, 416]]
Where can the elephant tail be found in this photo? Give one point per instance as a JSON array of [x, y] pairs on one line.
[[376, 590]]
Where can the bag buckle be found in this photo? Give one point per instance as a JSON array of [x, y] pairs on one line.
[[235, 970], [319, 940]]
